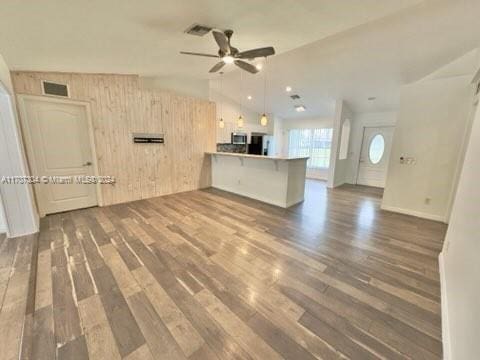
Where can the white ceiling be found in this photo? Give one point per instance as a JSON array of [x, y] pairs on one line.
[[145, 36], [327, 49], [371, 60]]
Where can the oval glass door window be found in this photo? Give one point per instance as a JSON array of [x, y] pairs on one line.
[[377, 148]]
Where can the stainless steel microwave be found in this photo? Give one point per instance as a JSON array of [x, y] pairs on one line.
[[239, 138]]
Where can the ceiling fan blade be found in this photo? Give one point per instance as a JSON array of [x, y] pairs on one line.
[[198, 54], [246, 66], [255, 53], [222, 41], [217, 67]]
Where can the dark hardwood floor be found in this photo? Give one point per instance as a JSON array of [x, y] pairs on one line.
[[211, 275]]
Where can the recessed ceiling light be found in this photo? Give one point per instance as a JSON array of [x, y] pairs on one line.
[[371, 98], [259, 66], [300, 108], [288, 89], [249, 97]]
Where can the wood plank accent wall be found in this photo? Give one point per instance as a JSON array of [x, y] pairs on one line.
[[119, 107]]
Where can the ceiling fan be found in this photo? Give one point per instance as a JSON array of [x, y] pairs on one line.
[[229, 54]]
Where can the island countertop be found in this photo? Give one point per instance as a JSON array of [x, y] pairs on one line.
[[258, 156], [276, 180]]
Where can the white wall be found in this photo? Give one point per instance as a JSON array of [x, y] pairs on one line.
[[459, 262], [362, 120], [185, 86], [431, 124], [230, 110], [338, 173], [18, 204], [3, 221], [280, 146], [315, 123]]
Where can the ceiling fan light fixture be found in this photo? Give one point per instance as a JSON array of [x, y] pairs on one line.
[[264, 120], [231, 55], [228, 59]]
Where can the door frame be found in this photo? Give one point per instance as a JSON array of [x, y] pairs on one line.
[[28, 138], [361, 147]]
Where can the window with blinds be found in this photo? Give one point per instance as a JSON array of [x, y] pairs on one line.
[[315, 143]]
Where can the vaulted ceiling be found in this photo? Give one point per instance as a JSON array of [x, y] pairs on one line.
[[326, 49], [145, 36], [370, 60]]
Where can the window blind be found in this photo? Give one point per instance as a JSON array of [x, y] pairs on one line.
[[315, 143]]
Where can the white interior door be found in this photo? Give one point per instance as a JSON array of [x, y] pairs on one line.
[[374, 156], [58, 144]]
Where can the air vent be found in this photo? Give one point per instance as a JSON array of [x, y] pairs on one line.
[[50, 88], [295, 97], [198, 30]]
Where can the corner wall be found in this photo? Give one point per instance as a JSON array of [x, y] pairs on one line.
[[460, 267], [3, 222], [20, 214], [339, 173], [431, 124]]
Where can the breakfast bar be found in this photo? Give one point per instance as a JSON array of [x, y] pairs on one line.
[[275, 180]]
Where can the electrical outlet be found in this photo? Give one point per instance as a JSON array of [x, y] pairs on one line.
[[407, 160]]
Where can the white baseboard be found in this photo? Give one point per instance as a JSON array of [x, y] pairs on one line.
[[415, 213], [316, 177], [252, 196], [445, 324]]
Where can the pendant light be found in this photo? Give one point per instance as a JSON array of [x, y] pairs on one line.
[[264, 119], [240, 121], [221, 123]]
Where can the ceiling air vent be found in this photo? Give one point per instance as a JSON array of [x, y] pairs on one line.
[[295, 97], [51, 88], [198, 30]]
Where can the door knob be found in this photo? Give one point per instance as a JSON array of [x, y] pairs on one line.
[[88, 163]]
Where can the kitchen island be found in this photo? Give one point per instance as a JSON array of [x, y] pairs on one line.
[[272, 179]]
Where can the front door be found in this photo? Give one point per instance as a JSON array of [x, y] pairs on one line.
[[374, 156], [59, 145]]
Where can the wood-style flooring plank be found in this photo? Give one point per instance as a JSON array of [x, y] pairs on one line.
[[212, 275]]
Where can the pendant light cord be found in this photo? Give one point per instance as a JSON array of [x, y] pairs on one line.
[[265, 86], [221, 94], [241, 92]]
